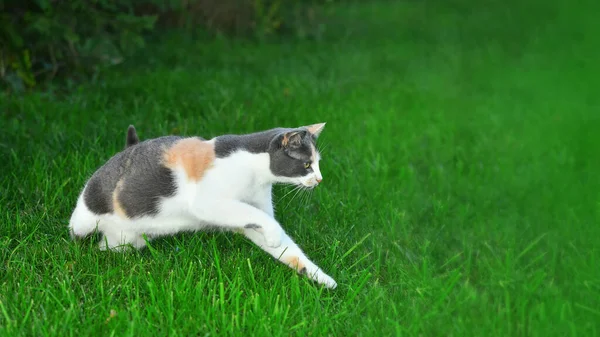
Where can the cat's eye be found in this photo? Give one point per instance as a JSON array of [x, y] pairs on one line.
[[306, 165]]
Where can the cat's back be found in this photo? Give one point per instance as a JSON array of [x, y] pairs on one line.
[[132, 181]]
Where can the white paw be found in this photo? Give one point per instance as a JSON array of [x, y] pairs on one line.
[[327, 280], [323, 279]]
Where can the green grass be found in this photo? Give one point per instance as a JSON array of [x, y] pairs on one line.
[[461, 194]]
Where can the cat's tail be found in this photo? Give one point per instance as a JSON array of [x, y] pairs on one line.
[[132, 137], [83, 222]]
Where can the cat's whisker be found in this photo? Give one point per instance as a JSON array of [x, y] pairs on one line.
[[309, 195], [322, 147], [298, 193], [304, 198], [297, 189], [306, 192], [289, 192]]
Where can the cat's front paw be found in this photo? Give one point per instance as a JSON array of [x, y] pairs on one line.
[[326, 280], [322, 278]]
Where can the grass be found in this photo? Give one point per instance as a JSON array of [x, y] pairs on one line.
[[460, 195]]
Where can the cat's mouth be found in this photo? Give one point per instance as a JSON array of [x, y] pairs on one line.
[[309, 186]]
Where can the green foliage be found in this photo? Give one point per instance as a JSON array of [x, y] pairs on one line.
[[268, 16], [257, 18], [43, 39]]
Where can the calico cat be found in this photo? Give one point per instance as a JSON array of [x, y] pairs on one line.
[[170, 184]]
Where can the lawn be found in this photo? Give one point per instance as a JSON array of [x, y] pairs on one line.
[[461, 194]]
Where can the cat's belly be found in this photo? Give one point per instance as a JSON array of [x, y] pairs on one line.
[[168, 225], [158, 225], [173, 216]]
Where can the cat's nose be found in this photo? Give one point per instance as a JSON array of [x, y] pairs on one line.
[[319, 180]]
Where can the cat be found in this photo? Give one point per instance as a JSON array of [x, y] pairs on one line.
[[166, 185]]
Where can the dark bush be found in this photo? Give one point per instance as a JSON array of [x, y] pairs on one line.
[[46, 39]]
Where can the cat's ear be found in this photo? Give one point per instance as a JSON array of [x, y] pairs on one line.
[[315, 129], [292, 139]]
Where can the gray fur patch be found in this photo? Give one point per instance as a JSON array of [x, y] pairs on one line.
[[285, 161], [144, 179], [97, 195], [258, 142], [252, 226]]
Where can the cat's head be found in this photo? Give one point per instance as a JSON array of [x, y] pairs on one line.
[[295, 157]]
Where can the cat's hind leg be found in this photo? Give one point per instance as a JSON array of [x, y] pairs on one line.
[[118, 239], [291, 255], [82, 222]]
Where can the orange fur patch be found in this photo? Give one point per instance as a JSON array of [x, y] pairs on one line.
[[117, 207], [285, 140], [194, 155], [295, 263]]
